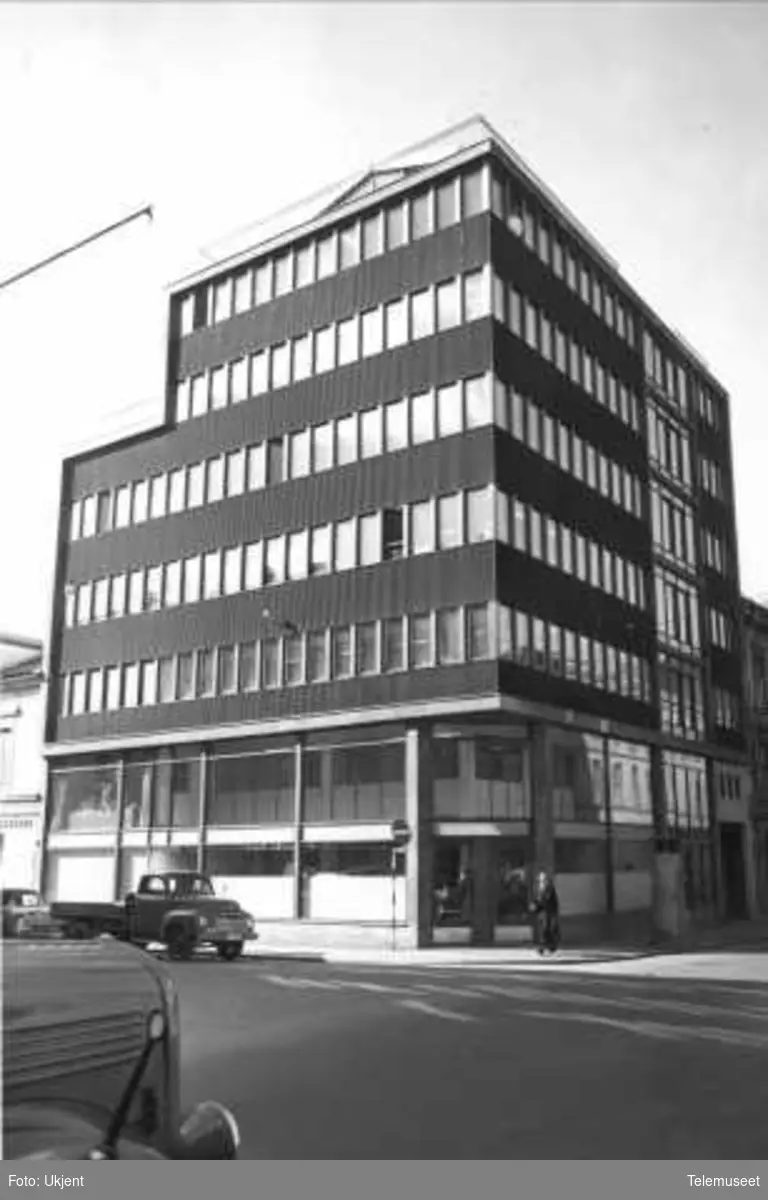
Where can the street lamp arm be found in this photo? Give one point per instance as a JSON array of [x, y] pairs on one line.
[[143, 212]]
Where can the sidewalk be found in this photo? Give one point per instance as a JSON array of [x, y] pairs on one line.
[[746, 935]]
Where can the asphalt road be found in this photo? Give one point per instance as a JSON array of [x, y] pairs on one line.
[[646, 1059]]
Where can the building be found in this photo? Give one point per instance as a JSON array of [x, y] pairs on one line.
[[439, 526], [22, 766], [755, 623]]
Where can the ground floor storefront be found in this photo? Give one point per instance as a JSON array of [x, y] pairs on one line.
[[299, 828]]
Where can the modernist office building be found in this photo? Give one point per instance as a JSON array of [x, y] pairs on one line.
[[439, 525]]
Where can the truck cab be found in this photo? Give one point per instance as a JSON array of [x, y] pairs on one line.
[[182, 910]]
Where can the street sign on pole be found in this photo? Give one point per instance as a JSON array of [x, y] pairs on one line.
[[400, 832]]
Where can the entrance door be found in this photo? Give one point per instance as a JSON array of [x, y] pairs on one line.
[[453, 879], [732, 858]]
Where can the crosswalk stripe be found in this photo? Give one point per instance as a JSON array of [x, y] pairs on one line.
[[431, 1010]]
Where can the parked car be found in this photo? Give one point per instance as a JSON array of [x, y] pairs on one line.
[[25, 914], [178, 909], [91, 1059]]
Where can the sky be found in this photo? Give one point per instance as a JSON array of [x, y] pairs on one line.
[[649, 121]]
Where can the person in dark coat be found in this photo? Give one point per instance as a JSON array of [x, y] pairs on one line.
[[546, 914]]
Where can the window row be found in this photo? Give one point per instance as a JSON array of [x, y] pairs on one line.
[[409, 318], [437, 523], [561, 253], [714, 552], [532, 642], [562, 446], [672, 524], [726, 709], [677, 613], [681, 698], [562, 547], [712, 478], [358, 240], [685, 793], [669, 447], [670, 377], [581, 366], [382, 429], [423, 640]]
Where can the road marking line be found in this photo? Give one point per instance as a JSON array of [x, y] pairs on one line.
[[303, 984], [682, 1008], [656, 1029], [430, 1010], [442, 989]]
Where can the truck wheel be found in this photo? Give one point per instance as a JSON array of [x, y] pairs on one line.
[[180, 944], [229, 951]]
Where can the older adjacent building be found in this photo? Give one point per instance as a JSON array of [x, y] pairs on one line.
[[22, 766], [439, 526], [755, 620]]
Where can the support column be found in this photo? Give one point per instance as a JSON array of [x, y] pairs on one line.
[[485, 871], [419, 790], [610, 895], [542, 815], [659, 838], [202, 808], [298, 821], [120, 805], [719, 898]]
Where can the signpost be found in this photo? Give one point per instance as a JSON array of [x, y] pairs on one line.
[[400, 833]]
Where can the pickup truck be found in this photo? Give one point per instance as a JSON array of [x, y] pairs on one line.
[[92, 1059], [178, 909]]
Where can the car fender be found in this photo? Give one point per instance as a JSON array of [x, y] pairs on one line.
[[187, 917]]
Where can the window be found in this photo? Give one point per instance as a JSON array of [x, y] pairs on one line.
[[449, 406], [531, 325], [227, 682], [298, 550], [84, 604], [259, 373], [103, 507], [448, 304], [535, 542], [233, 570], [205, 677], [478, 632], [219, 387], [130, 686], [548, 437], [370, 539], [154, 590], [447, 198], [345, 545], [293, 659], [136, 591], [342, 652], [422, 314], [534, 427], [473, 199], [274, 570], [373, 332], [236, 473], [298, 454], [243, 291], [148, 683], [349, 247], [422, 418], [211, 575], [185, 677], [322, 447], [480, 515], [370, 433], [101, 600], [320, 550], [396, 425], [191, 580], [281, 365], [422, 528], [421, 216], [195, 482], [317, 657], [94, 690], [158, 498], [199, 395], [421, 650], [178, 490], [477, 299], [373, 236], [275, 461], [302, 357], [396, 221], [140, 501], [348, 341], [70, 604], [346, 440], [325, 349], [396, 323], [283, 274], [552, 547], [112, 696], [449, 649], [519, 537], [248, 673], [392, 645], [214, 480], [392, 536], [366, 649], [478, 400], [327, 260], [117, 596], [449, 523], [263, 283]]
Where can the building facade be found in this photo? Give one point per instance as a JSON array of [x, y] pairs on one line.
[[439, 526], [22, 766], [755, 623]]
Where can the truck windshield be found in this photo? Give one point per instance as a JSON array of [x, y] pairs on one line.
[[194, 885]]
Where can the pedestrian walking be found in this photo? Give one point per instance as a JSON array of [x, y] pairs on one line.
[[546, 914]]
